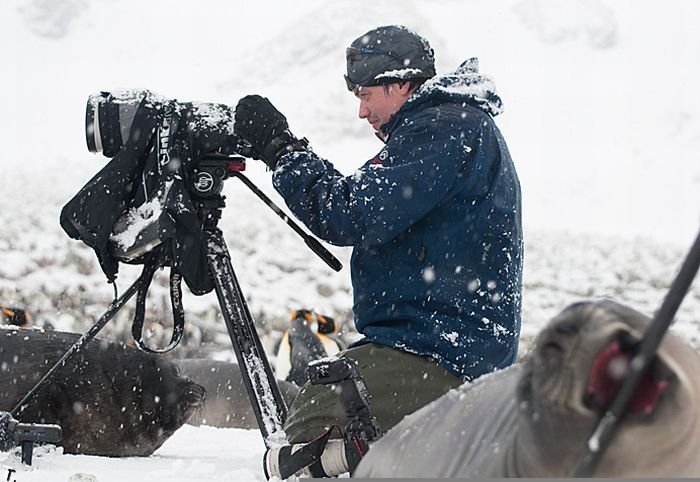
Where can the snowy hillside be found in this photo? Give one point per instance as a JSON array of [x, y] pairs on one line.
[[602, 117]]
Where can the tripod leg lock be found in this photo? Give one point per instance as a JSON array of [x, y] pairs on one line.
[[14, 433]]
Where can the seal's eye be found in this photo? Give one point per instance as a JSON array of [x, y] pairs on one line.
[[569, 327]]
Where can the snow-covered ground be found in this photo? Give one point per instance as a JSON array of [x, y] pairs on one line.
[[602, 117], [192, 454]]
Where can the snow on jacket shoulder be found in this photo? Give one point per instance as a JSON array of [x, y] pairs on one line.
[[435, 223]]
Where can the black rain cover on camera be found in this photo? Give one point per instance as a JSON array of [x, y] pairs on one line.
[[146, 170]]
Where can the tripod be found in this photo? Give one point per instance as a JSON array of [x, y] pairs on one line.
[[268, 405]]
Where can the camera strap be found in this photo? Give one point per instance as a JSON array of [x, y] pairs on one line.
[[149, 268]]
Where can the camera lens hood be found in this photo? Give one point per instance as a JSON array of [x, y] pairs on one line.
[[108, 119], [92, 126]]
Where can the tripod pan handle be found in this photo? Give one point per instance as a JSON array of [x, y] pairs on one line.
[[323, 253]]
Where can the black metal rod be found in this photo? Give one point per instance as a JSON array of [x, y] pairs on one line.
[[265, 396], [27, 450], [310, 241], [608, 424], [114, 307]]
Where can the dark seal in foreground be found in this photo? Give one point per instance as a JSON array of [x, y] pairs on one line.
[[534, 419], [109, 399]]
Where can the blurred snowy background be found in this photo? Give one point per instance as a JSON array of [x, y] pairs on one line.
[[602, 117]]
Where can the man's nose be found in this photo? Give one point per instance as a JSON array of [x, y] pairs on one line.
[[364, 111]]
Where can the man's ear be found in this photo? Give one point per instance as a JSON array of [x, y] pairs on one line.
[[405, 88]]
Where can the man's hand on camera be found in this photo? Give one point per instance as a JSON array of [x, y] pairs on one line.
[[266, 129]]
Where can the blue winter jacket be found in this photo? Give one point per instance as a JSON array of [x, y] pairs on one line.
[[435, 223]]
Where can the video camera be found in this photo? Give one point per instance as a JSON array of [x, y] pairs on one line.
[[196, 138], [208, 127], [204, 131], [163, 183], [167, 159]]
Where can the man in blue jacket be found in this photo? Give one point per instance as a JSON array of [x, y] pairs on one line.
[[434, 219]]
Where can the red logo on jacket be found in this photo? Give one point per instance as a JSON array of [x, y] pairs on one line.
[[381, 157]]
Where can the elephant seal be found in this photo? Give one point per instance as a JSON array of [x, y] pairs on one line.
[[534, 419], [227, 403], [109, 399]]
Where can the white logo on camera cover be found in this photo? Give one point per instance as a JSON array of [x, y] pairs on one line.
[[164, 141], [205, 182]]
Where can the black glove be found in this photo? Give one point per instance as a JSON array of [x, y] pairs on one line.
[[266, 129]]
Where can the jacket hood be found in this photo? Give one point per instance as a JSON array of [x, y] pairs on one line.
[[464, 84]]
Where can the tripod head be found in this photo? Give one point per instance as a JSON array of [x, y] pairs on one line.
[[211, 172]]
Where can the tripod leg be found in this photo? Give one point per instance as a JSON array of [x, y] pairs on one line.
[[268, 404], [27, 451], [89, 335]]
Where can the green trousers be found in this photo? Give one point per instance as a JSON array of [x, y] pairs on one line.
[[399, 383]]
